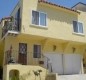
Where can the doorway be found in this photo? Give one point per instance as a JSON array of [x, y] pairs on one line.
[[22, 59]]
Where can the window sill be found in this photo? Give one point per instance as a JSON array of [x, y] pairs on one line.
[[39, 26], [79, 34]]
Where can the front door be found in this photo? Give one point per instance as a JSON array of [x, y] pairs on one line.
[[22, 53]]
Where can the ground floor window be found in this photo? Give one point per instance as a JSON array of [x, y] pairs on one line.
[[37, 51]]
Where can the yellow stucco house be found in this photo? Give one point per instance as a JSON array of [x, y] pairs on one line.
[[39, 34]]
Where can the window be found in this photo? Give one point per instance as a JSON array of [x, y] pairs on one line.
[[78, 27], [38, 18], [22, 48], [37, 51]]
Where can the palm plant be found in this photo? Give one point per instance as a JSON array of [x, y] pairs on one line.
[[37, 73]]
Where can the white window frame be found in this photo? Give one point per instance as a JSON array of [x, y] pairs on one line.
[[78, 28], [39, 19]]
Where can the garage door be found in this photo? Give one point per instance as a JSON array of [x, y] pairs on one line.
[[63, 63], [72, 63], [55, 63]]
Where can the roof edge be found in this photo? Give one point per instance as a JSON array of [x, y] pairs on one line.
[[15, 7], [70, 9], [78, 3]]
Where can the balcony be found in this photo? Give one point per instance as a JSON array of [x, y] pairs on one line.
[[11, 27]]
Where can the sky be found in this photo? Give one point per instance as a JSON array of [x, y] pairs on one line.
[[6, 6]]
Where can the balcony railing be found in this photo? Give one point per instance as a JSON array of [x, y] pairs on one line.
[[11, 26]]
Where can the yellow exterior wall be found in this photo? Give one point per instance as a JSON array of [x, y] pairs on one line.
[[59, 22], [1, 53], [25, 72], [0, 32], [82, 19], [46, 47]]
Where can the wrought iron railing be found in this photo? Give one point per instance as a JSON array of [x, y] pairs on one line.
[[10, 26], [12, 57]]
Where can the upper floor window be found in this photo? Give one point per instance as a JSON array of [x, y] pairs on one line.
[[77, 27], [38, 18]]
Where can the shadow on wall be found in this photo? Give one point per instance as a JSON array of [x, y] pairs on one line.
[[58, 15], [1, 72]]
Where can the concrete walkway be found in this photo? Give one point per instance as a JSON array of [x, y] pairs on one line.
[[72, 77]]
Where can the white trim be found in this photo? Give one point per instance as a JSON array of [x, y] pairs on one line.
[[13, 32], [38, 26], [80, 34], [31, 17], [39, 19]]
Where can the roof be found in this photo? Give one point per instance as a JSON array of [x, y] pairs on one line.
[[50, 3], [78, 4]]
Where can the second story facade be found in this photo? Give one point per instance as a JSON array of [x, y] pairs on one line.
[[42, 18]]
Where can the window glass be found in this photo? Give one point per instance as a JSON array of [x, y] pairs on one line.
[[78, 27], [43, 19], [38, 18], [37, 51], [35, 17], [75, 26]]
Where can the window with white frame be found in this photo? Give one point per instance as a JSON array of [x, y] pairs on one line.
[[38, 18], [77, 27]]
